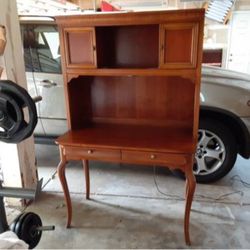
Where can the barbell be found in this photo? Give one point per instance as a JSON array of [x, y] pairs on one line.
[[28, 227], [15, 126]]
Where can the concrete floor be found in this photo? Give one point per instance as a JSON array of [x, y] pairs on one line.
[[127, 211]]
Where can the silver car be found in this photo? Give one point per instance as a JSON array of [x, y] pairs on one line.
[[225, 102]]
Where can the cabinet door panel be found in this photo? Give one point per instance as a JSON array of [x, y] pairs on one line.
[[178, 45], [80, 44]]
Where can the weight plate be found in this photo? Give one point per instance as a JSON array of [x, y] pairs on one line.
[[29, 232], [11, 116], [13, 224], [21, 96], [19, 224]]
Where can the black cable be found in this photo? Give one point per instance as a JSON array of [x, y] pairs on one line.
[[238, 178], [161, 192], [207, 198], [200, 198]]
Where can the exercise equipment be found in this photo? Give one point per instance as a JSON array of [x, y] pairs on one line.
[[28, 227], [10, 116], [14, 125], [14, 128]]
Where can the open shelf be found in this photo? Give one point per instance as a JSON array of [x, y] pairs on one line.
[[131, 100], [127, 46]]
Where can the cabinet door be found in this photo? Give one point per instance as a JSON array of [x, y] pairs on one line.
[[178, 43], [80, 47]]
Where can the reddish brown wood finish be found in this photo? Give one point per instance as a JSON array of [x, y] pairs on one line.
[[86, 172], [61, 174], [184, 37], [131, 100], [80, 47], [126, 46], [135, 97], [129, 137]]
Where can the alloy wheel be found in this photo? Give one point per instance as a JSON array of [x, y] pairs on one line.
[[210, 153]]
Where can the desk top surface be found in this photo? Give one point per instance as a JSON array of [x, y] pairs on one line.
[[131, 137]]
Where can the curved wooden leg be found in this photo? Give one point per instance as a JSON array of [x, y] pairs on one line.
[[61, 174], [87, 182], [190, 188], [186, 189]]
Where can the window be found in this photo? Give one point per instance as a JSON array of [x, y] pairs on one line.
[[41, 48]]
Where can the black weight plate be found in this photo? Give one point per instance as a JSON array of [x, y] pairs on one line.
[[22, 96], [24, 100], [19, 224], [11, 115], [28, 232], [13, 224]]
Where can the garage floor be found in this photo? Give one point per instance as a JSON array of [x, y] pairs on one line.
[[127, 210]]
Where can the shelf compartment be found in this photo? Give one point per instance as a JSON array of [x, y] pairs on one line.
[[134, 46], [145, 100]]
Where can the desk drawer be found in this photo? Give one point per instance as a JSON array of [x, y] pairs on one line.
[[153, 158], [78, 153]]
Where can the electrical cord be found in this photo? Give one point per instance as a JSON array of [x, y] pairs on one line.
[[161, 192], [221, 197], [239, 179], [204, 197], [198, 197]]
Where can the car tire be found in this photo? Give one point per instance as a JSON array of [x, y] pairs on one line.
[[216, 152]]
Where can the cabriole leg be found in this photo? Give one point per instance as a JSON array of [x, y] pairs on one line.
[[61, 174], [190, 188], [86, 172]]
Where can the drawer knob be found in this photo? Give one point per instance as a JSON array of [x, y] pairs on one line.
[[152, 156], [90, 151]]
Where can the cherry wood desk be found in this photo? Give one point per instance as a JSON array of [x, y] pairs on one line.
[[132, 83]]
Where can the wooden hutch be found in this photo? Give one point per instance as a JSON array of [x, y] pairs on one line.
[[132, 84]]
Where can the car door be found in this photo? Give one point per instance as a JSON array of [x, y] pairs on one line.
[[47, 75], [31, 85]]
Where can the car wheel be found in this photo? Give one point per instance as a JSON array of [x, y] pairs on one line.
[[216, 151]]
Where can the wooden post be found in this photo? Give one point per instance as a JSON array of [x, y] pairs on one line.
[[17, 161]]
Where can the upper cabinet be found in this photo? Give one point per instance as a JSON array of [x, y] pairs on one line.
[[178, 45], [133, 41], [80, 47]]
